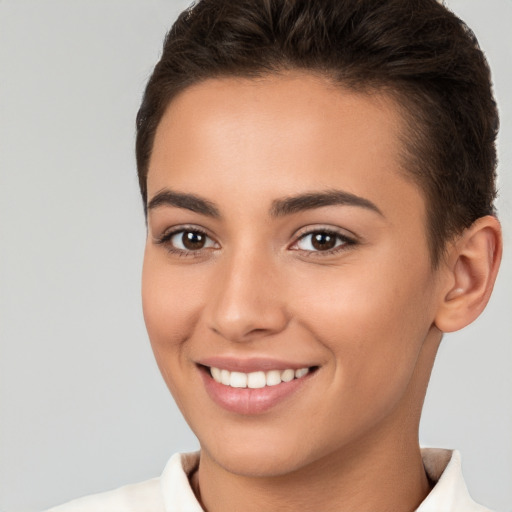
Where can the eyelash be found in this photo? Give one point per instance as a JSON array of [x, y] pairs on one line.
[[165, 240]]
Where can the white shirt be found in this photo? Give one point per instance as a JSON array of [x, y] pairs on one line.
[[172, 492]]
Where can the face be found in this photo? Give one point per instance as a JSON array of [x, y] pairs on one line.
[[287, 287]]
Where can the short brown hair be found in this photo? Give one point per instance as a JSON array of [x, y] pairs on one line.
[[415, 50]]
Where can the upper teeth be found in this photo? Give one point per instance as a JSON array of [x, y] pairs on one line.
[[256, 379]]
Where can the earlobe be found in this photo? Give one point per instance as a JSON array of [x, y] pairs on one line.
[[473, 263]]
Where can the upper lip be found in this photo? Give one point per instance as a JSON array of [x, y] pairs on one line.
[[248, 365]]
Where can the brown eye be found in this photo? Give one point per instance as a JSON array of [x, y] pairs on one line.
[[323, 241], [193, 240], [188, 240]]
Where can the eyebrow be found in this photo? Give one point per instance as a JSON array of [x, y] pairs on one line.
[[187, 201], [312, 200], [279, 208]]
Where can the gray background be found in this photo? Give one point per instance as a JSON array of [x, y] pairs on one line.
[[83, 407]]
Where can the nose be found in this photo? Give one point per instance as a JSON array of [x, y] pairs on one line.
[[248, 300]]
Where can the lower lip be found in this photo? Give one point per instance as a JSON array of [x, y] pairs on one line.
[[250, 401]]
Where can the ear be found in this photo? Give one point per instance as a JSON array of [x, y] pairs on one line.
[[472, 263]]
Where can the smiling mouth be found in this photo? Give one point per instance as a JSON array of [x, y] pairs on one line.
[[258, 379]]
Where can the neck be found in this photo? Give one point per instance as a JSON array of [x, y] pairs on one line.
[[365, 480]]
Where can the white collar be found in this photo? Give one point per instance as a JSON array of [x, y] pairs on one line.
[[175, 486], [450, 493], [442, 466]]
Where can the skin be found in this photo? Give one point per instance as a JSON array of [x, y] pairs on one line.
[[369, 315]]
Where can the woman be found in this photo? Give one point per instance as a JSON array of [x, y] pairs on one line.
[[319, 212], [302, 259]]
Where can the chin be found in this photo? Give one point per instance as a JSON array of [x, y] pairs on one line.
[[258, 463], [260, 454]]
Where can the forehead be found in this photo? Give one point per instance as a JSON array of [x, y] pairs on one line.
[[279, 134]]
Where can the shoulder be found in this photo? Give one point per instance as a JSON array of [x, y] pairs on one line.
[[139, 497], [170, 491]]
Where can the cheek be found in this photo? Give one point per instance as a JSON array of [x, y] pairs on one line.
[[373, 323], [169, 305]]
